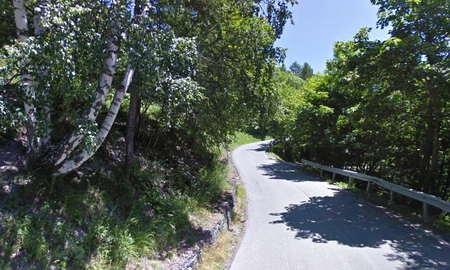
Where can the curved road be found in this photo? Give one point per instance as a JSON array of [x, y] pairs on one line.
[[296, 221]]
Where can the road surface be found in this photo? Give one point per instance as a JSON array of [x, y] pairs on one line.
[[296, 221]]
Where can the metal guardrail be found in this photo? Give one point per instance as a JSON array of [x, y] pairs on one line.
[[427, 199]]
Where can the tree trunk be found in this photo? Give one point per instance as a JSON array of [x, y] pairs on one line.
[[131, 124], [73, 140], [431, 156], [78, 159], [434, 168], [20, 16], [426, 151]]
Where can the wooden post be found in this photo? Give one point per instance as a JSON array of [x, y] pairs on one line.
[[391, 200], [425, 211], [368, 187]]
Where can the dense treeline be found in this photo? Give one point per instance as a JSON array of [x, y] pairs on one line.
[[111, 113], [204, 67], [382, 107]]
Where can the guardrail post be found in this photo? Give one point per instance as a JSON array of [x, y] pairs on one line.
[[350, 181], [426, 199], [425, 211], [368, 187]]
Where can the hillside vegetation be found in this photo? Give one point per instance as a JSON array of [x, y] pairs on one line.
[[115, 116], [381, 106], [113, 119]]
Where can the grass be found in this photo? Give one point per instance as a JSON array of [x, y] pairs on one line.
[[275, 156], [95, 222], [242, 138], [213, 183], [443, 223], [82, 229], [219, 255], [214, 257]]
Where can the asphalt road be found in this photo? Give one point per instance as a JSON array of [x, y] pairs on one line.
[[296, 221]]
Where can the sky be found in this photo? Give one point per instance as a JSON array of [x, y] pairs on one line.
[[320, 23]]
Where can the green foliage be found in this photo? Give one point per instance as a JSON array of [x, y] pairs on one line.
[[7, 29], [277, 12], [241, 138], [97, 223], [304, 71], [296, 68], [211, 184], [10, 117], [235, 69], [208, 66], [205, 71], [381, 106], [290, 96]]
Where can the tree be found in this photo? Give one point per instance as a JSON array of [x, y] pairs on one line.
[[52, 53], [235, 75], [198, 67], [378, 123], [7, 29], [303, 71], [276, 12], [296, 68], [389, 98], [306, 71], [420, 31], [290, 90]]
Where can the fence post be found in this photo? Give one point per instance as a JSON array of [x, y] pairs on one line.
[[334, 174], [391, 200], [425, 211], [321, 173], [350, 181], [368, 187]]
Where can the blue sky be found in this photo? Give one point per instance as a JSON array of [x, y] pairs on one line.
[[320, 23]]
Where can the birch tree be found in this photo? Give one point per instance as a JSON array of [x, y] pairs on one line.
[[208, 65], [48, 66], [21, 20]]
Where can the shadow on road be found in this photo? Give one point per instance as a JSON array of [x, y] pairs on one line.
[[350, 221], [285, 171], [261, 147]]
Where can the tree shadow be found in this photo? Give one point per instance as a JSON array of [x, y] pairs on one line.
[[349, 221], [286, 171], [262, 147]]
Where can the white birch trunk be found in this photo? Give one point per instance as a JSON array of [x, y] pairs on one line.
[[20, 16], [78, 159], [109, 65]]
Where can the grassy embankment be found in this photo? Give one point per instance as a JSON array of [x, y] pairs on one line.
[[93, 219]]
